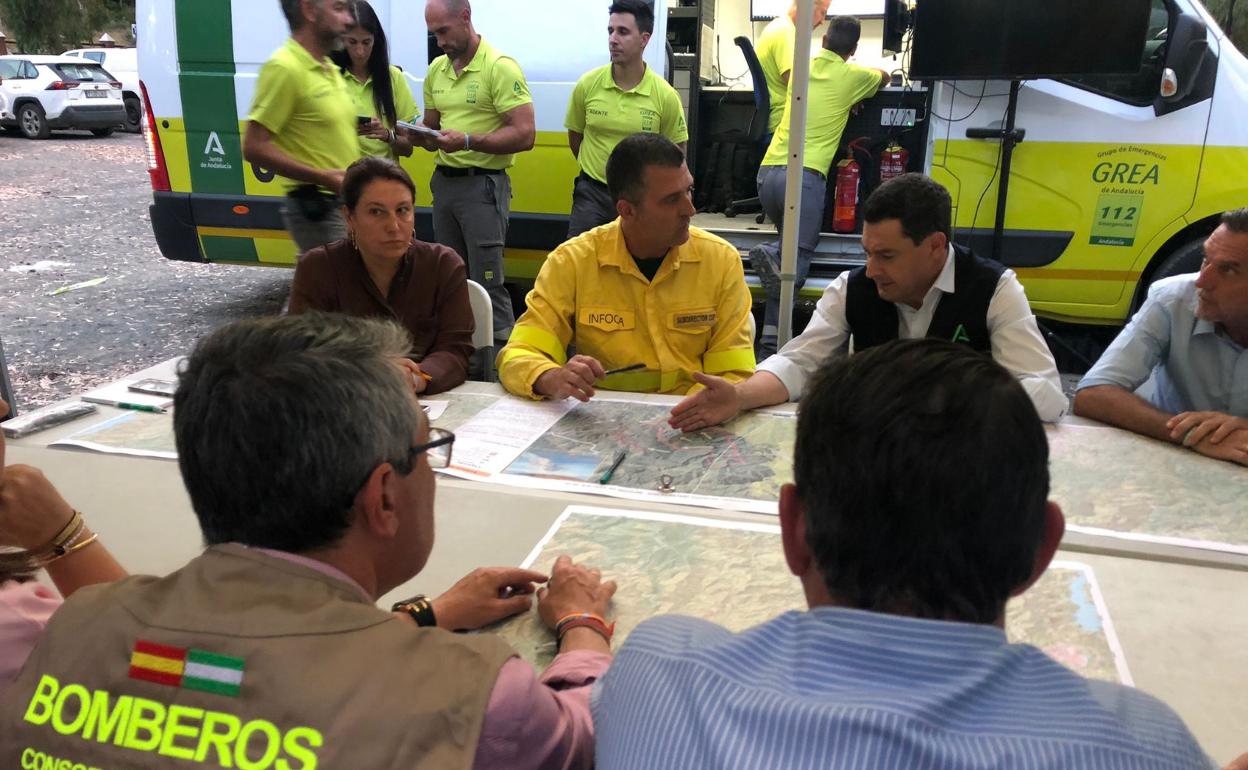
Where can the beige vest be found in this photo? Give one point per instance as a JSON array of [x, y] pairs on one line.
[[241, 660]]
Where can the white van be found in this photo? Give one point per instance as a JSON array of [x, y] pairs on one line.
[[1113, 187]]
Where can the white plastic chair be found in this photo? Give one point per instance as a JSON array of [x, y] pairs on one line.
[[483, 335]]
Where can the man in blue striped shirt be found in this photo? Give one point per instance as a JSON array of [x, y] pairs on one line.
[[919, 509]]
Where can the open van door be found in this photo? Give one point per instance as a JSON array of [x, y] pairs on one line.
[[1105, 174]]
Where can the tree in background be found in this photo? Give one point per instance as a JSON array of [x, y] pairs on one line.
[[1239, 27], [52, 26]]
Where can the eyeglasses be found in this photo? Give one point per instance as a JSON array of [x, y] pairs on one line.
[[437, 450]]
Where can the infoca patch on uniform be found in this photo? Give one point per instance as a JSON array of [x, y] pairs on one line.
[[694, 318], [186, 668], [607, 318]]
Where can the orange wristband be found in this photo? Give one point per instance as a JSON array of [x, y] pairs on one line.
[[584, 620]]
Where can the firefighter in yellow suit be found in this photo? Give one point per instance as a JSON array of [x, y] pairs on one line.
[[646, 291]]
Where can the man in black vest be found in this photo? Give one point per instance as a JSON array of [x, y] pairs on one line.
[[916, 283]]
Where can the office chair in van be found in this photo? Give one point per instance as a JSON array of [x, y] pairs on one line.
[[756, 134]]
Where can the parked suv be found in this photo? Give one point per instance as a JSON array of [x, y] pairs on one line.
[[46, 92], [123, 64]]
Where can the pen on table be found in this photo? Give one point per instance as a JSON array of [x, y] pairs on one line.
[[622, 369], [140, 407], [619, 458]]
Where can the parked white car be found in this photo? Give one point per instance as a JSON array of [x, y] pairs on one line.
[[41, 93], [123, 64]]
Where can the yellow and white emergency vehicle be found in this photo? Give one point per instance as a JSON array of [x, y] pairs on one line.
[[199, 59], [1114, 185]]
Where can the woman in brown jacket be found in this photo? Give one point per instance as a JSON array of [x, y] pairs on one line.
[[381, 270]]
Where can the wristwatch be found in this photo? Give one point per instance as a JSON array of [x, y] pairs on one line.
[[419, 607]]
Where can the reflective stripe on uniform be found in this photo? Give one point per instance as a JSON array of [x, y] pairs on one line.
[[738, 359], [536, 338], [642, 382], [512, 354]]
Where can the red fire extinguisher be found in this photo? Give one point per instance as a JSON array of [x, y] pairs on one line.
[[845, 213], [845, 206], [893, 162]]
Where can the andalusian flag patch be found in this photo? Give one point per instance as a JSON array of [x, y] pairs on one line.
[[190, 669]]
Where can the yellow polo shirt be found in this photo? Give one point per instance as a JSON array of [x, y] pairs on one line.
[[835, 86], [306, 106], [605, 115], [474, 101], [774, 50], [693, 317], [362, 95]]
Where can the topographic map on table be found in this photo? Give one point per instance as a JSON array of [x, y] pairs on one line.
[[734, 574], [1118, 484], [461, 407], [569, 446], [746, 460], [140, 434]]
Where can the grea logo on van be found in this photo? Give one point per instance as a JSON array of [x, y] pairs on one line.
[[212, 738], [1126, 173], [1129, 165]]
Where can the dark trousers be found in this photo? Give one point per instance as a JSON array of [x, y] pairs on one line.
[[313, 223], [592, 205], [470, 216]]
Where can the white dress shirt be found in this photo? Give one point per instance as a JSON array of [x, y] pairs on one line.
[[1016, 340]]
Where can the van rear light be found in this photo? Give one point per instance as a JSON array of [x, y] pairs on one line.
[[156, 168], [61, 85]]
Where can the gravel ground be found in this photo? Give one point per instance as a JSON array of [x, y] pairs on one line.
[[75, 209]]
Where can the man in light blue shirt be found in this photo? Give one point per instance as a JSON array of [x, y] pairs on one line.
[[919, 509], [1191, 337]]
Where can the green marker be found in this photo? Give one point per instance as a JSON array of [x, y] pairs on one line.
[[140, 407], [619, 458]]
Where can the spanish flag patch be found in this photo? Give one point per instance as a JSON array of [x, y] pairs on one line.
[[186, 668]]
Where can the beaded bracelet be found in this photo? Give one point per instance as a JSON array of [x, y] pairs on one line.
[[584, 620]]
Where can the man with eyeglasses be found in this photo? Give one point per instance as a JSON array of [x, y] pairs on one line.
[[309, 465]]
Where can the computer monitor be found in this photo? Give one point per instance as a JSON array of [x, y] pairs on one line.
[[1018, 39], [896, 22]]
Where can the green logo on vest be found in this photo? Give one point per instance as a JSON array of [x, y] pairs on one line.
[[960, 335]]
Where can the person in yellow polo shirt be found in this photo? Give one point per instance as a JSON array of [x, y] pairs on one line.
[[302, 122], [774, 50], [836, 86], [645, 291], [378, 88], [612, 102], [478, 100]]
